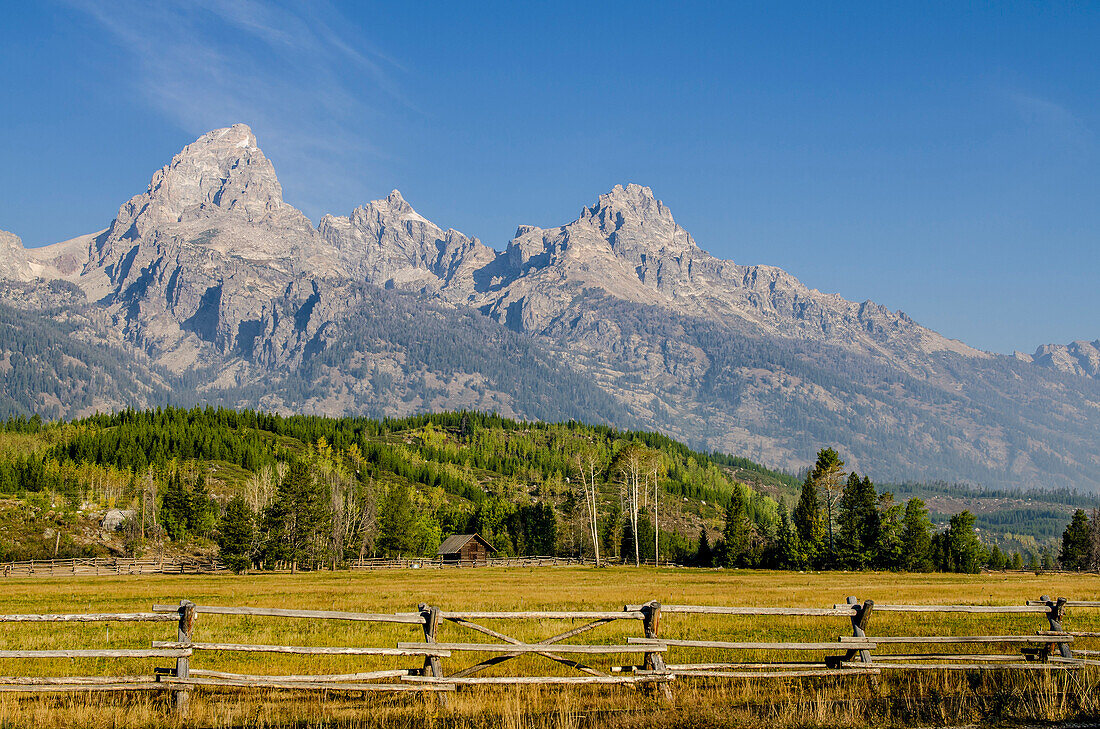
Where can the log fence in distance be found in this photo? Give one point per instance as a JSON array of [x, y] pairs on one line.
[[849, 655]]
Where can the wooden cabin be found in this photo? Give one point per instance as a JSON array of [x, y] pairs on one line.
[[465, 549]]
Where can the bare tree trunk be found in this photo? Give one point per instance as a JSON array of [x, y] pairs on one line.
[[656, 528]]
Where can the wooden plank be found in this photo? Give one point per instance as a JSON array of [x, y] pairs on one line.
[[532, 647], [316, 678], [742, 666], [70, 688], [957, 608], [72, 680], [1028, 666], [838, 611], [948, 657], [1073, 633], [724, 645], [1069, 603], [544, 615], [1073, 661], [89, 618], [302, 685], [1060, 638], [782, 674], [544, 680], [423, 649], [175, 651], [310, 614]]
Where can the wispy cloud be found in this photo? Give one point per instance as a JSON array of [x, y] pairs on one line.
[[1055, 122], [300, 75]]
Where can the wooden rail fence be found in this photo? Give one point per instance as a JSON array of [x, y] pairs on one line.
[[862, 653], [100, 566]]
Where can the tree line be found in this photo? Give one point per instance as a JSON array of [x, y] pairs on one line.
[[332, 490]]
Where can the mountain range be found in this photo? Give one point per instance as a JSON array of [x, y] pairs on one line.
[[209, 287]]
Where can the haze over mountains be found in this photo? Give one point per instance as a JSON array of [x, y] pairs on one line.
[[209, 287]]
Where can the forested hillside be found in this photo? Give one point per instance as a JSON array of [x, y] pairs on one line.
[[263, 488], [56, 357], [372, 487]]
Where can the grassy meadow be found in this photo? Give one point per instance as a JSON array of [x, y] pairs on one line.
[[896, 698]]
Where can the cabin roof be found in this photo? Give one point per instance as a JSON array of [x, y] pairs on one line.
[[456, 542]]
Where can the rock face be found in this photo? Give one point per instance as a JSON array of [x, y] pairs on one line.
[[389, 244], [619, 316], [629, 247], [1077, 358], [14, 265], [190, 266]]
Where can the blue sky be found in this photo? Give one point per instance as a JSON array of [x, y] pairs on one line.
[[939, 158]]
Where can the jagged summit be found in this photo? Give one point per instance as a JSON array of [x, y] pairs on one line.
[[223, 171], [633, 200], [1077, 358], [388, 243], [636, 222]]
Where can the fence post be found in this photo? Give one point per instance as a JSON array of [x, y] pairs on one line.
[[651, 623], [1055, 613], [859, 630], [433, 665], [184, 634], [859, 623]]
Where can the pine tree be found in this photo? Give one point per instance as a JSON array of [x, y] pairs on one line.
[[916, 537], [889, 550], [997, 559], [235, 533], [175, 507], [788, 554], [736, 532], [296, 520], [809, 521], [202, 513], [703, 556], [1076, 543], [397, 522], [858, 522], [964, 551]]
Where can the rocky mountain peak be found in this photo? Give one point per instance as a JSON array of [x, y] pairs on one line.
[[384, 218], [1077, 358], [388, 243], [635, 222], [223, 171], [397, 203], [638, 200], [13, 259]]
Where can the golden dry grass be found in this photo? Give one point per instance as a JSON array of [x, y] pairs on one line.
[[897, 698]]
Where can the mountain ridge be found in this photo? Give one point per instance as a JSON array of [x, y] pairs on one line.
[[220, 282]]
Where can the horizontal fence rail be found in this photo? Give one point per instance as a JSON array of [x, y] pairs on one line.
[[413, 618], [731, 656]]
